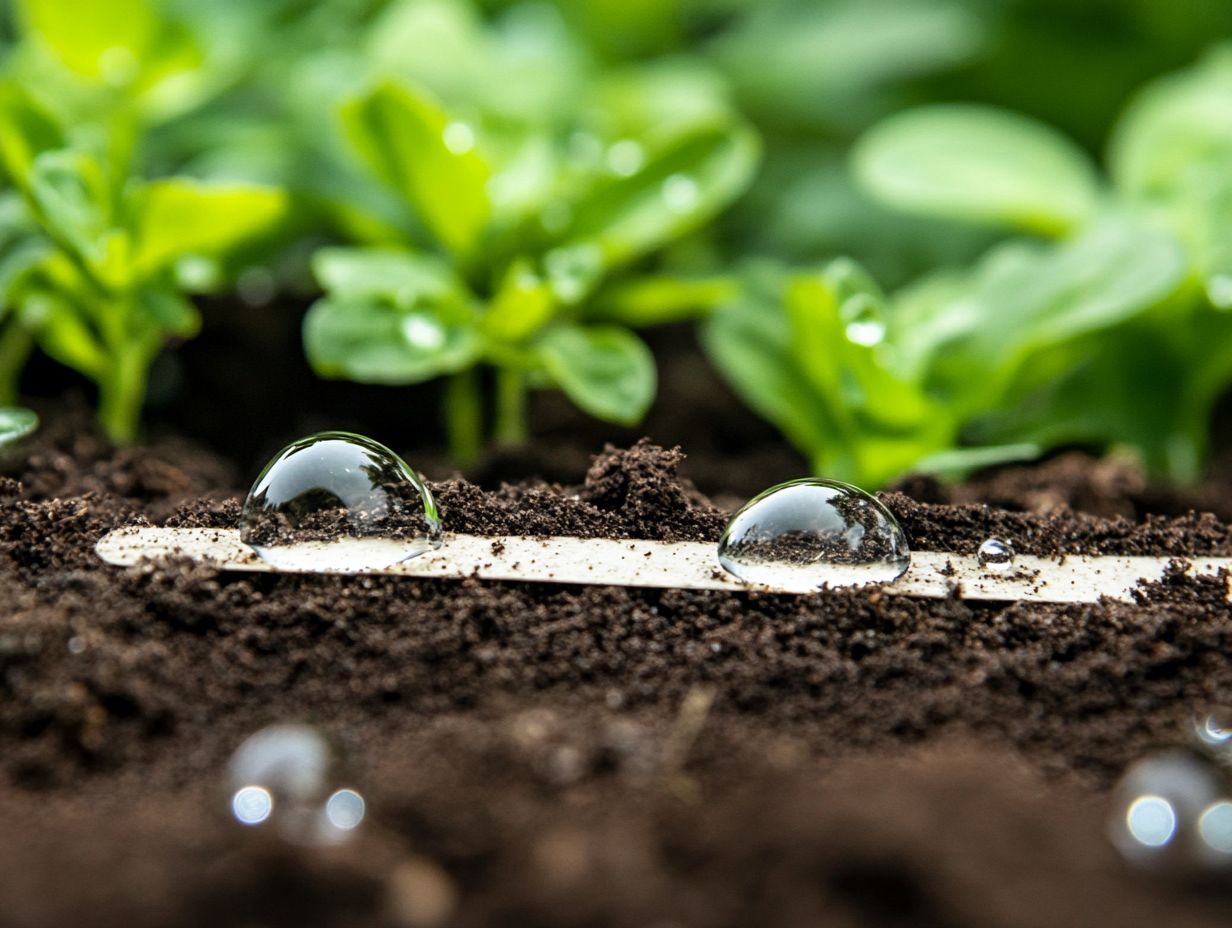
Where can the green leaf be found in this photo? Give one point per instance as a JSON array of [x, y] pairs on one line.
[[410, 143], [178, 216], [100, 39], [607, 371], [171, 312], [26, 131], [1177, 127], [974, 338], [978, 164], [15, 424], [374, 343], [684, 184], [63, 335], [71, 193], [395, 276], [522, 306], [647, 301]]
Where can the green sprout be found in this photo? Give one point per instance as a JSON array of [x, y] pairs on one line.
[[529, 220]]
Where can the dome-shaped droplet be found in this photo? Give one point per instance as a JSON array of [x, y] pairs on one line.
[[1213, 730], [288, 777], [995, 554], [1159, 808], [339, 502], [809, 534]]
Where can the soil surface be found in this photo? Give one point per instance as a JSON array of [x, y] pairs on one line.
[[559, 755]]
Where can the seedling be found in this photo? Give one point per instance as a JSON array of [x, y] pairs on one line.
[[510, 274]]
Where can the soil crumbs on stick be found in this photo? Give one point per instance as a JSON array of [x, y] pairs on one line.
[[544, 755]]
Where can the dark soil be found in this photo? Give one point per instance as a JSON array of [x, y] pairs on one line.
[[555, 755]]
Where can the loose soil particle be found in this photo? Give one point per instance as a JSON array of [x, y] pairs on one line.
[[547, 755]]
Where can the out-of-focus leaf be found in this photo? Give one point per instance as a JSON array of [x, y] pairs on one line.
[[63, 333], [979, 164], [100, 39], [71, 192], [179, 216], [679, 188], [173, 313], [607, 371], [26, 131], [523, 304], [371, 342], [970, 338], [1177, 127], [646, 301], [400, 278], [15, 424], [410, 142]]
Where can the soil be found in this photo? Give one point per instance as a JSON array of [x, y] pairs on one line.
[[557, 755]]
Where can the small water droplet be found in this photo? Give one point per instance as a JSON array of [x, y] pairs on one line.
[[808, 534], [290, 777], [680, 193], [423, 332], [256, 285], [995, 554], [459, 138], [625, 157], [339, 502], [76, 645], [1219, 291], [1158, 808], [1214, 728]]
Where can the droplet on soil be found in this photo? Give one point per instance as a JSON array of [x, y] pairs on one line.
[[996, 554], [1167, 812], [289, 777], [1214, 728], [808, 534], [338, 501]]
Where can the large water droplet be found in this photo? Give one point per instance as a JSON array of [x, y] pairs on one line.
[[289, 777], [339, 502], [809, 534], [1159, 807], [995, 554]]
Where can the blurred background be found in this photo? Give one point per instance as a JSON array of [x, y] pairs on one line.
[[251, 92]]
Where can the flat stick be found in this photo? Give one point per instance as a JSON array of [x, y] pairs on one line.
[[676, 565]]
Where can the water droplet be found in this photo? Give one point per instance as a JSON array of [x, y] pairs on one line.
[[1158, 807], [1219, 291], [290, 777], [809, 534], [1215, 833], [76, 645], [459, 138], [339, 502], [625, 157], [680, 193], [995, 554], [1214, 729], [256, 285], [423, 332], [864, 323]]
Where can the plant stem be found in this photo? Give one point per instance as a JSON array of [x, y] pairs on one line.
[[16, 344], [511, 398], [464, 417], [121, 393]]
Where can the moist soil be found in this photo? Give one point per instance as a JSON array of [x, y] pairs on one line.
[[537, 754]]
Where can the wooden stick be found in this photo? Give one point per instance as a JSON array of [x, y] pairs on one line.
[[674, 565]]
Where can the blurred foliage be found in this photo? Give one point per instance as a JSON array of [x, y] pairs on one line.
[[500, 192]]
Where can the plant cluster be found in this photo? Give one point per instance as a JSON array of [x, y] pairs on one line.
[[500, 194]]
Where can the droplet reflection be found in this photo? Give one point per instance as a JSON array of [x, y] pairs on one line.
[[345, 809], [1215, 827], [1151, 821], [1215, 728], [339, 502], [808, 534], [252, 805]]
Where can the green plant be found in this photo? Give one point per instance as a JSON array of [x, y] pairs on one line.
[[526, 228], [1115, 333], [95, 262]]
